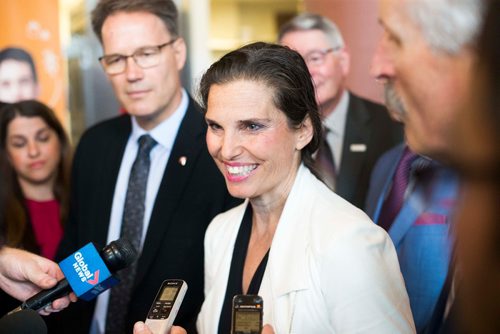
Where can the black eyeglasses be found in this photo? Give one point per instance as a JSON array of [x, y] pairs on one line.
[[145, 57]]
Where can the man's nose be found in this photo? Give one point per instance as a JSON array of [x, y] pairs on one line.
[[382, 67], [132, 70]]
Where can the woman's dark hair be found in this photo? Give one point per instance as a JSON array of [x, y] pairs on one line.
[[284, 72], [15, 215]]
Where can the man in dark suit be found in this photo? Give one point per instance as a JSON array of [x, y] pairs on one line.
[[358, 130], [143, 55]]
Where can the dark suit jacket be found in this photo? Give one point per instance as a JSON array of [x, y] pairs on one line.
[[367, 123], [188, 198]]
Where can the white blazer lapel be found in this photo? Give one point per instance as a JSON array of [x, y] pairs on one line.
[[218, 257], [285, 274]]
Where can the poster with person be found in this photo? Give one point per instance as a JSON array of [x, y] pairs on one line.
[[31, 62]]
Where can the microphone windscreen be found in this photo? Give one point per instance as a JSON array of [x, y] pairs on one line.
[[119, 254], [23, 322]]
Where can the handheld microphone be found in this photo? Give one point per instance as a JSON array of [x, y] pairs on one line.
[[24, 322], [87, 273]]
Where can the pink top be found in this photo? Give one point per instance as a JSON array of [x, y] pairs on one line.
[[46, 223]]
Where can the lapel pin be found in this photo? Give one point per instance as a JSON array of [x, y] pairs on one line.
[[183, 161], [358, 147]]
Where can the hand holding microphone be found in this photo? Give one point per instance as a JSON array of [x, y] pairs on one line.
[[22, 274], [87, 272]]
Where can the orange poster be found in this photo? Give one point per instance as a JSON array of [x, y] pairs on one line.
[[33, 26]]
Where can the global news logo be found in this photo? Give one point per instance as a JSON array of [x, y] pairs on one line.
[[82, 270]]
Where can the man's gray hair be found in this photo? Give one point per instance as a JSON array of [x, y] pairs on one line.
[[307, 21], [447, 25]]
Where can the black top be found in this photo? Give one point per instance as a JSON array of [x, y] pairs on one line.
[[235, 279]]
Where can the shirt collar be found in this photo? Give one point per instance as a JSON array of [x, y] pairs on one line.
[[335, 121], [165, 132]]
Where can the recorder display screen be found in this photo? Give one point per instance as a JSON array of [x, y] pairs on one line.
[[168, 294], [247, 321]]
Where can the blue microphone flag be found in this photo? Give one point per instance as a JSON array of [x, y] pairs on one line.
[[86, 273]]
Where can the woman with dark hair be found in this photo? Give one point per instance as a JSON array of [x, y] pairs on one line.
[[35, 156], [319, 263]]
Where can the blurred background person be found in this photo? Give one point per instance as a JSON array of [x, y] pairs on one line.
[[357, 130], [319, 263], [413, 198], [22, 274], [439, 36], [18, 77], [474, 146], [35, 158]]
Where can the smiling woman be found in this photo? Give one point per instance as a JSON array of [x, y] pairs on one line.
[[319, 263]]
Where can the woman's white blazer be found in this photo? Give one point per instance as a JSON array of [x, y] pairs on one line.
[[330, 269]]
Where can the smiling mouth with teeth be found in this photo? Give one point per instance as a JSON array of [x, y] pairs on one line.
[[240, 170]]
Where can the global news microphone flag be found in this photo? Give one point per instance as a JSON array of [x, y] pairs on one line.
[[87, 273]]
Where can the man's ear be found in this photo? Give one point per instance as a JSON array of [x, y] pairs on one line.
[[345, 60], [179, 47]]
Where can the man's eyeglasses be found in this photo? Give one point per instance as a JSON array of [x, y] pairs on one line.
[[146, 57], [317, 57]]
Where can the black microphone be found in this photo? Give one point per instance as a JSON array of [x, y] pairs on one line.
[[23, 322], [84, 282]]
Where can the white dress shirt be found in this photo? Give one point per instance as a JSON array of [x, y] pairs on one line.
[[335, 122]]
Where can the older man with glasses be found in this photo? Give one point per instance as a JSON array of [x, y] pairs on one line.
[[358, 131], [145, 176]]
